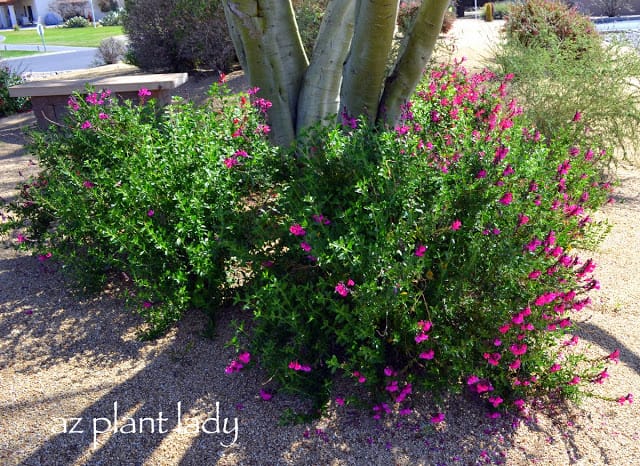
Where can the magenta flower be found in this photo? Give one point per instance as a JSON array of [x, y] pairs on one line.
[[483, 387], [481, 174], [555, 367], [577, 116], [424, 325], [574, 381], [235, 366], [420, 250], [504, 329], [506, 199], [297, 230], [518, 350], [296, 366], [103, 116], [535, 274], [88, 184], [144, 92], [319, 218], [472, 379], [244, 358], [427, 355], [515, 365], [342, 290], [522, 219], [615, 356], [420, 337], [305, 246], [86, 125], [350, 282], [231, 162], [265, 395], [456, 225], [147, 304], [437, 419], [340, 401], [20, 238], [495, 401], [150, 213], [389, 372]]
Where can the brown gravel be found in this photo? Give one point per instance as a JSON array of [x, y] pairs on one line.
[[65, 356]]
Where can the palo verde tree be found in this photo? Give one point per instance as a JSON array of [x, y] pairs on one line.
[[349, 71]]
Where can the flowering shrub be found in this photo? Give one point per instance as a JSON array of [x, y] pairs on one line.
[[439, 254], [435, 255], [149, 196]]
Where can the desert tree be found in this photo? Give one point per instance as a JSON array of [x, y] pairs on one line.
[[355, 69]]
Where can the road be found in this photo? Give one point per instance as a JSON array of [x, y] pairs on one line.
[[56, 59]]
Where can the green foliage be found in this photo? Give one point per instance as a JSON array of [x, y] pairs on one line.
[[428, 255], [549, 23], [309, 14], [562, 66], [130, 191], [179, 35], [435, 255], [76, 22], [10, 105], [501, 9], [113, 18]]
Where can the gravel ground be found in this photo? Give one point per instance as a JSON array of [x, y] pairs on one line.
[[69, 362]]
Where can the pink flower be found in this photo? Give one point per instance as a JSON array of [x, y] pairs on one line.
[[86, 125], [506, 199], [88, 184], [235, 366], [456, 225], [497, 342], [20, 238], [150, 213], [340, 401], [577, 116], [297, 230], [535, 274], [515, 365], [555, 367], [103, 116], [495, 401], [420, 337], [420, 250], [628, 398], [504, 329], [266, 396], [574, 381], [319, 218], [482, 387], [245, 357], [231, 162], [472, 379], [482, 174], [305, 246], [350, 282], [296, 366], [427, 355], [147, 304], [518, 350], [615, 356], [437, 419], [342, 290], [144, 92]]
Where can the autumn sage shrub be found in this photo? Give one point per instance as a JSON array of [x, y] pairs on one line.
[[436, 255], [156, 199]]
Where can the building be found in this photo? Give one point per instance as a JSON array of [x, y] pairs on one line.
[[27, 12]]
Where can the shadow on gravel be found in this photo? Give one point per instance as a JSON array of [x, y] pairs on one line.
[[167, 401], [609, 343]]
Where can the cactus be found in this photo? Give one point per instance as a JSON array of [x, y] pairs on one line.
[[488, 11]]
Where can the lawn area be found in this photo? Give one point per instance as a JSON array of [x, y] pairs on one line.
[[16, 53], [78, 37]]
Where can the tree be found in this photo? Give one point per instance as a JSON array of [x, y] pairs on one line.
[[348, 73]]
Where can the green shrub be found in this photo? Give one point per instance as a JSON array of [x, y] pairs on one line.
[[179, 35], [563, 68], [129, 191], [435, 255], [113, 18], [76, 22], [10, 105], [501, 9], [432, 256], [547, 23]]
